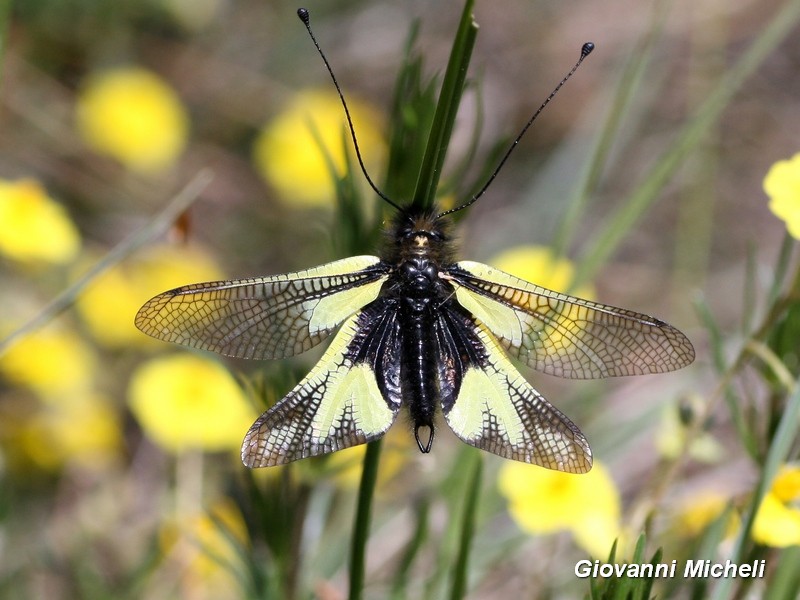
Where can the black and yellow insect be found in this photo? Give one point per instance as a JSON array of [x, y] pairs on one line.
[[416, 329]]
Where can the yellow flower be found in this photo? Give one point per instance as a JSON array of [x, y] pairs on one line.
[[703, 509], [539, 265], [782, 185], [53, 362], [33, 226], [777, 521], [133, 115], [187, 401], [110, 303], [542, 501], [81, 429], [205, 547], [288, 155]]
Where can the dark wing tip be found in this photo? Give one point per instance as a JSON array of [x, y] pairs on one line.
[[253, 455]]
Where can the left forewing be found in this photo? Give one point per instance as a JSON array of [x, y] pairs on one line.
[[349, 398], [563, 335], [266, 317]]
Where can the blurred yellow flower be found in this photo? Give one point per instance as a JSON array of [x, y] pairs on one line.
[[699, 511], [185, 401], [33, 226], [83, 430], [54, 362], [542, 501], [288, 155], [110, 303], [777, 521], [540, 266], [209, 556], [135, 116], [782, 185]]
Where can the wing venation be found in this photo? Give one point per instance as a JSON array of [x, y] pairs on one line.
[[349, 398], [567, 336], [267, 317], [490, 405]]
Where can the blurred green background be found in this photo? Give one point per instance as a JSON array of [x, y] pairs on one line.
[[119, 468]]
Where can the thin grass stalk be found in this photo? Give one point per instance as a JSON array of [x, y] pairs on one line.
[[158, 225], [366, 491], [473, 488], [446, 109], [618, 226]]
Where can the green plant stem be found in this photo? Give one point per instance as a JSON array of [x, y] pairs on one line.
[[617, 227], [155, 227], [366, 490], [446, 109], [460, 571]]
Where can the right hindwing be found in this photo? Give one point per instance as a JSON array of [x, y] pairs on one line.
[[489, 405], [265, 317]]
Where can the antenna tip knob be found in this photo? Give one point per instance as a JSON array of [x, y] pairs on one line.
[[586, 49], [303, 14]]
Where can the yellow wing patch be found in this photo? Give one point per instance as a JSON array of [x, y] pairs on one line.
[[267, 317], [479, 398], [567, 336], [337, 405], [498, 411]]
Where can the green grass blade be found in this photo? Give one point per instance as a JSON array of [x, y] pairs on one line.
[[366, 491], [604, 244], [473, 488], [446, 109]]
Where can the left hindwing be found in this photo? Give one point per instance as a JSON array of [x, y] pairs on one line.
[[566, 336], [350, 397], [489, 405]]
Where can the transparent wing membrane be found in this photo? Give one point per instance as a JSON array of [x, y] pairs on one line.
[[566, 336], [267, 317], [344, 401], [496, 410]]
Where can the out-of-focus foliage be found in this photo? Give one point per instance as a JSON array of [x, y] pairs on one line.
[[119, 462]]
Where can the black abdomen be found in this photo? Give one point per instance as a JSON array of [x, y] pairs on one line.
[[418, 367]]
